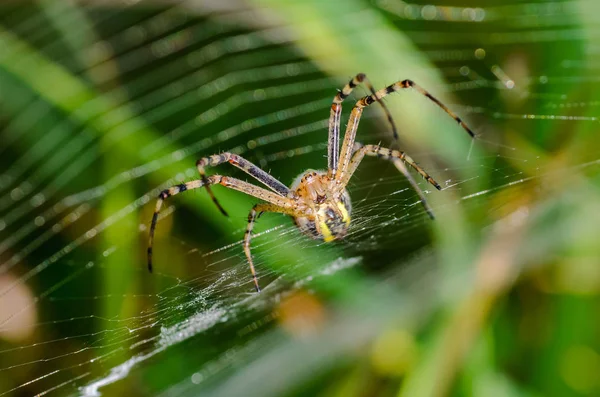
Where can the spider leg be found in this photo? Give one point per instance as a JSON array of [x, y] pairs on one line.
[[402, 168], [226, 181], [400, 85], [385, 153], [398, 158], [159, 202], [333, 142], [256, 212], [243, 164], [349, 138]]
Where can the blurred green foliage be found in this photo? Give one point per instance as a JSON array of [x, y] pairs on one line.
[[105, 104]]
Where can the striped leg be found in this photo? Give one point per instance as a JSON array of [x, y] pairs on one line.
[[384, 153], [397, 157], [256, 212], [348, 144], [333, 143], [229, 182], [159, 202], [402, 168], [397, 86], [244, 165]]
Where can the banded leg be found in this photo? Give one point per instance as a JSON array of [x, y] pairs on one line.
[[349, 138], [243, 164], [384, 153], [159, 202], [402, 168], [256, 212], [229, 182], [398, 158], [399, 85], [333, 143]]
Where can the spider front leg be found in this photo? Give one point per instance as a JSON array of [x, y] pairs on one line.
[[349, 138], [226, 181], [256, 212], [172, 191], [398, 158], [333, 143], [361, 150], [243, 164]]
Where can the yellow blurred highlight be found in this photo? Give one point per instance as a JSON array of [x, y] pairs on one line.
[[301, 314], [18, 313], [394, 353], [579, 276], [579, 369]]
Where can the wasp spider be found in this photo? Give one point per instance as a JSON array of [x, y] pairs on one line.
[[317, 201]]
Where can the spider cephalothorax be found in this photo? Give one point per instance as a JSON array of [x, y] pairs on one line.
[[317, 200], [328, 209]]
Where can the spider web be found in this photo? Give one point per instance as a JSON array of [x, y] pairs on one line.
[[105, 105]]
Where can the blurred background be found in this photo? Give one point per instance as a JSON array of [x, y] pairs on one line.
[[105, 103]]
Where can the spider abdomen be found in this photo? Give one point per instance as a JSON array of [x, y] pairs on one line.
[[330, 222]]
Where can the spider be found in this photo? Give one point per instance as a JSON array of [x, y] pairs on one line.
[[317, 201]]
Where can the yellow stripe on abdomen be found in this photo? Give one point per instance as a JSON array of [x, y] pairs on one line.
[[327, 236], [344, 211]]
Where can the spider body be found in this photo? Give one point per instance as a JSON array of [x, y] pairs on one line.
[[317, 201], [326, 214]]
